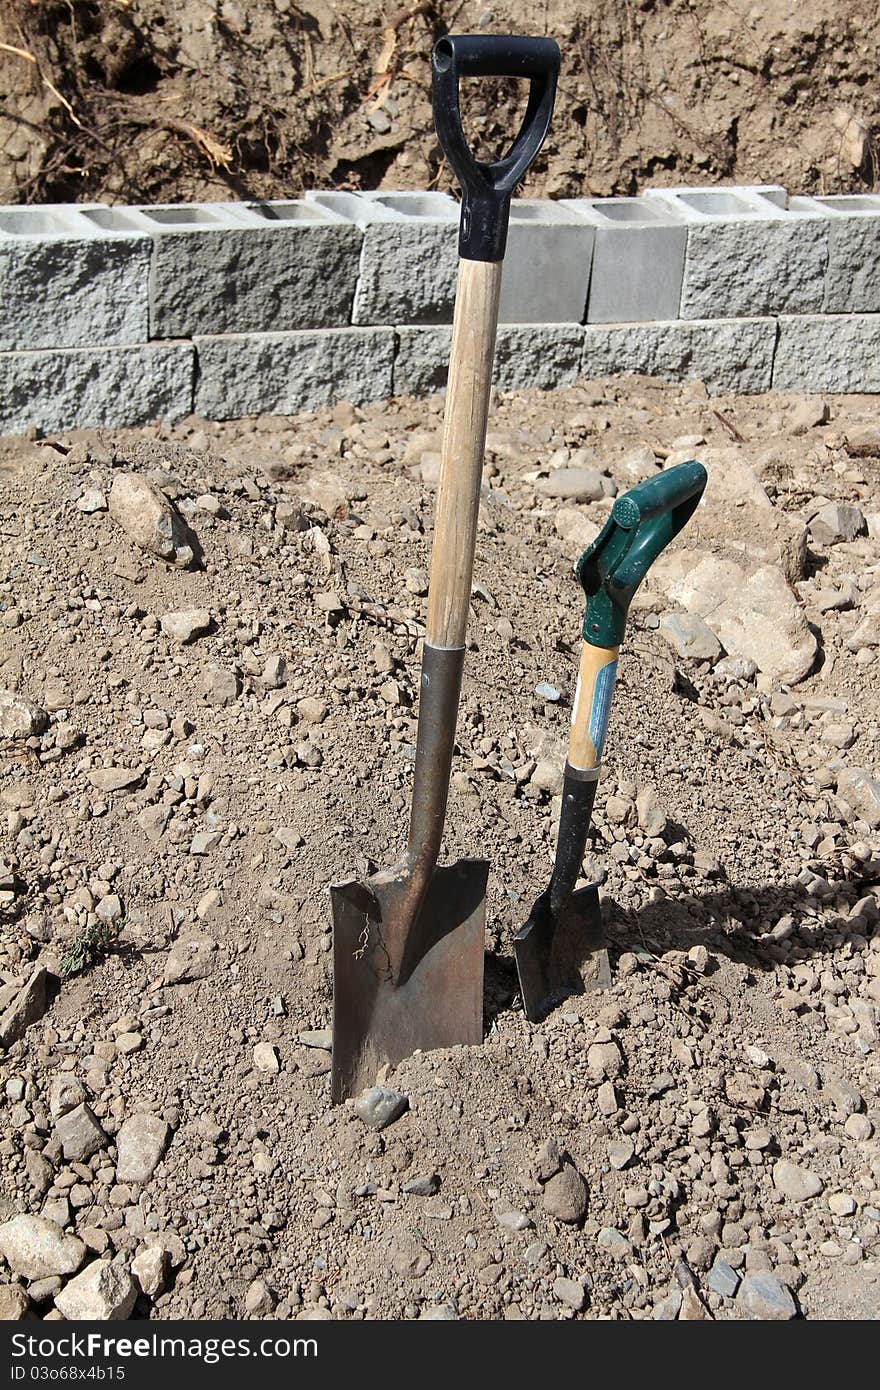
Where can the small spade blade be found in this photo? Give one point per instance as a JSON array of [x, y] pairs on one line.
[[561, 956]]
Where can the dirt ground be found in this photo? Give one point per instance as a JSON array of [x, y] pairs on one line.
[[138, 101], [701, 1139]]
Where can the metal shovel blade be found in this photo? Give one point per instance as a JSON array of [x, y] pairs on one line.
[[557, 957], [434, 999]]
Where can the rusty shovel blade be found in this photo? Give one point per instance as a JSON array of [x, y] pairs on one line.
[[434, 998], [562, 955]]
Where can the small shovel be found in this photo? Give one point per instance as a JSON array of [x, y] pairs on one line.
[[408, 943], [560, 950]]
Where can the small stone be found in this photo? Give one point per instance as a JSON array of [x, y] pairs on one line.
[[667, 1309], [426, 1185], [151, 520], [288, 837], [150, 1270], [570, 1292], [763, 1296], [636, 1197], [858, 1127], [91, 500], [547, 776], [114, 779], [189, 960], [614, 1243], [846, 1098], [572, 485], [690, 637], [20, 718], [208, 903], [103, 1292], [14, 1303], [259, 1301], [837, 521], [266, 1058], [311, 710], [807, 414], [548, 1160], [794, 1182], [573, 526], [860, 790], [36, 1248], [722, 1279], [80, 1134], [186, 625], [606, 1099], [416, 581], [604, 1060], [545, 691], [379, 1106], [204, 841], [512, 1220], [28, 1006], [275, 671], [129, 1043], [140, 1143], [152, 821], [652, 817], [109, 909], [692, 1309], [620, 1153], [565, 1195], [409, 1256], [220, 686], [290, 517], [698, 959], [841, 1204], [39, 1172]]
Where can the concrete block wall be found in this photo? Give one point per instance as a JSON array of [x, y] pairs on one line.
[[122, 315]]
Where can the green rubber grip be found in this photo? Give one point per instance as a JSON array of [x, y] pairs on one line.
[[642, 523]]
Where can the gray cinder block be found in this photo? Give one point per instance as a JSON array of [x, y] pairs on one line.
[[544, 355], [65, 282], [852, 280], [239, 268], [727, 355], [409, 260], [828, 352], [118, 386], [638, 259], [282, 373], [772, 192], [546, 270], [746, 256]]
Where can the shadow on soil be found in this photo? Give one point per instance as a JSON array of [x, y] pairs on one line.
[[727, 918]]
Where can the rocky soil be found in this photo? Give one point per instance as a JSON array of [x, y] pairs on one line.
[[170, 100], [209, 665]]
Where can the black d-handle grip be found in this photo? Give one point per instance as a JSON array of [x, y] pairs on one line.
[[488, 188]]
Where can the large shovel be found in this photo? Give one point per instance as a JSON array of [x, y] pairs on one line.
[[560, 950], [408, 943]]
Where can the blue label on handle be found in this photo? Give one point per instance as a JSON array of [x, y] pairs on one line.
[[603, 694]]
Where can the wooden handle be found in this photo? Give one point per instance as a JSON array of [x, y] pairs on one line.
[[464, 442], [592, 705]]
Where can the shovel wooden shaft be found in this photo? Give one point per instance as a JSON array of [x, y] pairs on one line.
[[464, 442]]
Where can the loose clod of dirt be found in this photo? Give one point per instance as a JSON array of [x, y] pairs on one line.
[[205, 723], [144, 101]]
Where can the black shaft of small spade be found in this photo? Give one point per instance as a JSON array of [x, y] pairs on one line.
[[578, 795]]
